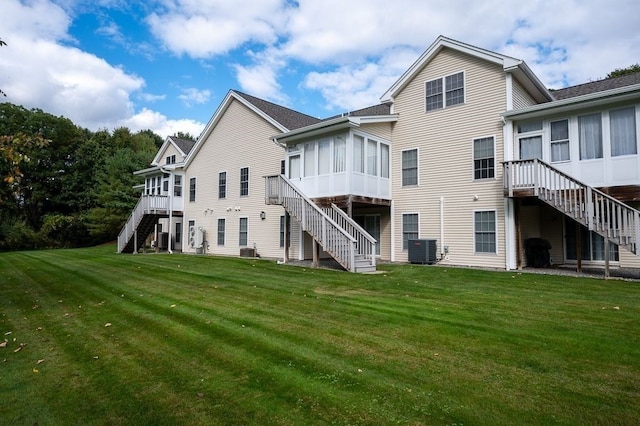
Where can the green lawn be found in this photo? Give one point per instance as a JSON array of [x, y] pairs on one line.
[[93, 337]]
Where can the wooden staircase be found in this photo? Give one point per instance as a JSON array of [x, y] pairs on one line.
[[597, 211], [141, 222], [338, 234]]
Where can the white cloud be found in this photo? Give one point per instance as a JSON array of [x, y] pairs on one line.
[[202, 29], [160, 124], [191, 96]]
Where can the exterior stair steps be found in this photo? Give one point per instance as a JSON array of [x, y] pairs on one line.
[[339, 235]]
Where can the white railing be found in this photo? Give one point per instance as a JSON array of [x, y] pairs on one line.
[[147, 204], [333, 238], [594, 209], [366, 244]]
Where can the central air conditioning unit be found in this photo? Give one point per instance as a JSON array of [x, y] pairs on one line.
[[422, 251], [196, 236]]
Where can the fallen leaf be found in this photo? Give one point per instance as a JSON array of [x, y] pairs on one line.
[[19, 348], [40, 361], [39, 329], [617, 308], [35, 370], [3, 344], [7, 333], [108, 324], [200, 394], [173, 306]]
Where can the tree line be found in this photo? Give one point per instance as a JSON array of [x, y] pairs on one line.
[[62, 185]]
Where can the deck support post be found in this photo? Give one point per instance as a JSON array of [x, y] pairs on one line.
[[316, 254], [578, 248]]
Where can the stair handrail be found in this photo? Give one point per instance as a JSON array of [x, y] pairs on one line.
[[601, 212], [366, 243], [329, 234], [145, 204]]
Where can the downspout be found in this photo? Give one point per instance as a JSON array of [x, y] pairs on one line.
[[442, 251]]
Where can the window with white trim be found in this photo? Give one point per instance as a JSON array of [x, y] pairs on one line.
[[177, 185], [244, 181], [222, 226], [484, 229], [410, 167], [560, 141], [484, 158], [282, 230], [243, 231], [590, 136], [222, 185], [409, 228], [622, 124], [444, 92], [192, 189]]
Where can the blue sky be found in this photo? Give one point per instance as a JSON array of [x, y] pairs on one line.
[[167, 64]]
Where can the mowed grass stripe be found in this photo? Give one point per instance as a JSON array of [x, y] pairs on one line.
[[412, 345]]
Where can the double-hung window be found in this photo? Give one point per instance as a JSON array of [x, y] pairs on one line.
[[177, 186], [410, 167], [282, 230], [484, 158], [409, 228], [622, 123], [484, 225], [243, 231], [222, 185], [244, 181], [590, 134], [192, 189], [444, 92], [222, 223], [560, 141]]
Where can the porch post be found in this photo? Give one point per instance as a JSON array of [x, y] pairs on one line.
[[516, 216], [316, 255], [606, 258], [287, 235], [578, 248]]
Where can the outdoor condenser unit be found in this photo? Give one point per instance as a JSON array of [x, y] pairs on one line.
[[422, 251]]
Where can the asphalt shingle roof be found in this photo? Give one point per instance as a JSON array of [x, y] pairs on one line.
[[596, 86], [184, 144], [287, 117]]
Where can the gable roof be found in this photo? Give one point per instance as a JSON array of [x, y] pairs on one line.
[[596, 86], [287, 117], [283, 119], [184, 145], [517, 67]]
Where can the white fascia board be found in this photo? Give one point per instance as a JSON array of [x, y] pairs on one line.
[[148, 171], [590, 100], [337, 123]]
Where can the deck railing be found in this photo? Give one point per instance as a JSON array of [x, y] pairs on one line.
[[333, 238], [365, 243], [147, 204], [596, 210]]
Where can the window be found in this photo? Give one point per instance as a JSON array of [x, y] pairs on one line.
[[372, 157], [358, 154], [623, 132], [282, 167], [165, 186], [294, 167], [434, 94], [530, 147], [560, 141], [221, 231], [409, 228], [324, 156], [242, 236], [244, 181], [310, 159], [484, 225], [222, 185], [384, 160], [483, 158], [453, 91], [339, 154], [282, 230], [177, 186], [410, 167], [192, 189], [590, 132], [170, 159]]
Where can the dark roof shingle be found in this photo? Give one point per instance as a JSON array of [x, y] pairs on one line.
[[285, 116], [596, 86], [185, 145]]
